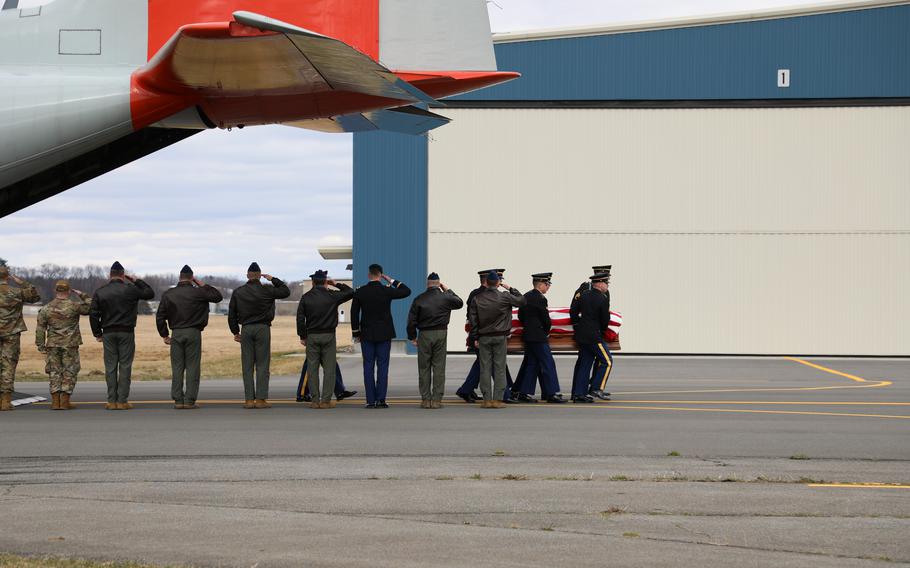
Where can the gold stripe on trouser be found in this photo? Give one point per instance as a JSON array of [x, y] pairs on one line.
[[306, 379], [603, 385]]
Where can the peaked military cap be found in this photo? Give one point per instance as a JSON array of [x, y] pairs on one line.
[[116, 266], [186, 270], [602, 269], [254, 267], [542, 277], [62, 286], [433, 276], [601, 277], [499, 271], [320, 275]]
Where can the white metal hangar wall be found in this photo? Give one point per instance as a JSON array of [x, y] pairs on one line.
[[741, 217]]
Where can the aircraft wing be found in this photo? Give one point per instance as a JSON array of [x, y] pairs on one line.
[[404, 120], [256, 55]]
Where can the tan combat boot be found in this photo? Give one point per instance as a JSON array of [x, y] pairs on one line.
[[111, 406], [249, 404], [497, 404], [65, 401], [424, 403], [6, 401], [124, 406], [55, 401], [486, 404], [316, 404], [262, 403], [329, 404], [436, 404]]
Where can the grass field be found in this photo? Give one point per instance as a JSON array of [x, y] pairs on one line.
[[220, 353]]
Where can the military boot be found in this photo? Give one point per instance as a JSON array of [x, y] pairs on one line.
[[65, 401], [6, 401], [55, 401], [248, 404], [262, 403]]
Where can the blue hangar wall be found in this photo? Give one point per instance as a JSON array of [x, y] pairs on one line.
[[853, 57]]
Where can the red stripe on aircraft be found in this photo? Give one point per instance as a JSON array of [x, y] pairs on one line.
[[355, 22]]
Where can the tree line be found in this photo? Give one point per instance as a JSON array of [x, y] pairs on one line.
[[91, 277]]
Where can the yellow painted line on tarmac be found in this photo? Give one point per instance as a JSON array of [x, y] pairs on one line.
[[859, 485], [867, 385], [763, 402], [827, 370], [736, 410]]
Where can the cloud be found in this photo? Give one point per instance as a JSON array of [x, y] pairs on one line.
[[272, 194]]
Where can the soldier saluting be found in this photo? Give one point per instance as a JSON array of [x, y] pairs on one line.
[[317, 320], [253, 307], [490, 314], [11, 327], [185, 309], [115, 307], [430, 314], [59, 338]]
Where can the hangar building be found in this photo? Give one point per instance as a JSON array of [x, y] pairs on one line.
[[748, 177]]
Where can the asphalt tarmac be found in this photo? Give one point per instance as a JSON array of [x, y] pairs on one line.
[[695, 461]]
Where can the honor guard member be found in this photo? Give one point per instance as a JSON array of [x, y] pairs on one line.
[[490, 314], [590, 314], [428, 330], [59, 338], [538, 360], [317, 320], [113, 319], [373, 326], [11, 327], [600, 269], [250, 316], [467, 391], [185, 309]]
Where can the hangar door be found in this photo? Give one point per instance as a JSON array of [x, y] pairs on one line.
[[732, 231]]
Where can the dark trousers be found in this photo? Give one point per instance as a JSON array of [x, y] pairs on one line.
[[186, 361], [589, 354], [303, 387], [376, 369], [537, 364], [119, 350], [473, 381]]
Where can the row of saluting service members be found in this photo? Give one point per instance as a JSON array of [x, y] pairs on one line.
[[183, 314]]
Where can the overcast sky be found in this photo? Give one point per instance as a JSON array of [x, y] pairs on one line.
[[272, 194]]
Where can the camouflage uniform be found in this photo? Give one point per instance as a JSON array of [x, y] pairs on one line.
[[11, 327], [58, 336]]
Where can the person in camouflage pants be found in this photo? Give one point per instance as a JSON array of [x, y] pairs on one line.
[[59, 338], [11, 327]]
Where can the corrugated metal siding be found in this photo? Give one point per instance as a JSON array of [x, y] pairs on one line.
[[857, 54], [731, 230], [390, 211]]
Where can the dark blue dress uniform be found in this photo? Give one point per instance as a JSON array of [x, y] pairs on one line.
[[467, 391], [538, 360], [590, 314], [372, 323]]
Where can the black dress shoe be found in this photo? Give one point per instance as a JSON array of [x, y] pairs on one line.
[[584, 399], [305, 398], [466, 397], [346, 394], [599, 394], [370, 405], [525, 398], [475, 397], [509, 401], [382, 404], [556, 399]]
